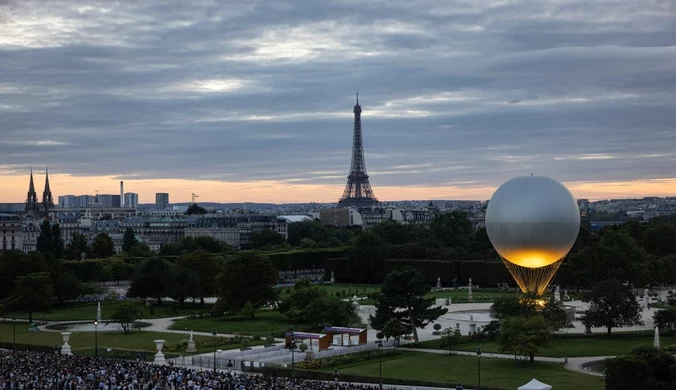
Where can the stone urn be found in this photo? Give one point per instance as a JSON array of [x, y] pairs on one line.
[[159, 356], [65, 348]]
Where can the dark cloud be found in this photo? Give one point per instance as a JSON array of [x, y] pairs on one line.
[[452, 92]]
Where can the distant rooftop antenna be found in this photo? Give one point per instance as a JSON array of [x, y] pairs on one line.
[[194, 197]]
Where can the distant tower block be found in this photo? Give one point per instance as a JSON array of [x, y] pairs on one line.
[[358, 192]]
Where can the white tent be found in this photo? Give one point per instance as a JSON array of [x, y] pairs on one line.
[[535, 385]]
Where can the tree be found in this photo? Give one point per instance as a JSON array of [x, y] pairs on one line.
[[103, 246], [365, 256], [247, 276], [66, 287], [528, 306], [206, 267], [612, 305], [129, 240], [31, 293], [77, 247], [665, 319], [328, 311], [645, 367], [524, 337], [57, 242], [45, 243], [627, 373], [183, 283], [265, 237], [125, 314], [303, 294], [119, 270], [195, 209], [248, 311], [615, 256], [405, 288], [660, 240], [150, 280], [14, 264], [453, 229], [394, 329]]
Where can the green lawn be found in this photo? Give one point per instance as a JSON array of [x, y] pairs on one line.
[[266, 323], [500, 373], [135, 340], [590, 346], [87, 311]]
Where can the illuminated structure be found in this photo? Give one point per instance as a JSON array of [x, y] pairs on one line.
[[532, 222]]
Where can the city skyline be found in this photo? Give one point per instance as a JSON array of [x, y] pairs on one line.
[[180, 191], [252, 101]]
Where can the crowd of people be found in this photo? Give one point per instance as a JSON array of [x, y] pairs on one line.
[[23, 370]]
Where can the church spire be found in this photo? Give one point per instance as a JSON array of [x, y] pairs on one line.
[[47, 200], [31, 186], [32, 198]]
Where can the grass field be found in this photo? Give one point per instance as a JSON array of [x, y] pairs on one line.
[[135, 340], [590, 346], [266, 323], [87, 311], [501, 373]]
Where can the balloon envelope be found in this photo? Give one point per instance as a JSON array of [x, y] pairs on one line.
[[532, 221]]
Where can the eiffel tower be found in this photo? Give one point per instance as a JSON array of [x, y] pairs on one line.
[[358, 192]]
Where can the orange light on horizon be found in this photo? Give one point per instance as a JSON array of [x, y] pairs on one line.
[[14, 188]]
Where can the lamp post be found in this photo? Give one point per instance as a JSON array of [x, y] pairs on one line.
[[214, 336], [293, 359], [478, 359], [14, 332], [380, 355], [96, 338]]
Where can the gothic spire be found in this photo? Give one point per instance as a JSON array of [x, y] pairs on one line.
[[32, 197], [47, 180], [31, 186], [47, 200]]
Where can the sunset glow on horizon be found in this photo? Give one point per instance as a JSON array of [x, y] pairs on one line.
[[14, 190]]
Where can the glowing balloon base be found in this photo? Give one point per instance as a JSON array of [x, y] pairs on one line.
[[533, 280]]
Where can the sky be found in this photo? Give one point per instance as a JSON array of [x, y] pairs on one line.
[[252, 100]]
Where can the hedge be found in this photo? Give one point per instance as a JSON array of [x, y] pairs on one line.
[[482, 272], [304, 259], [352, 378]]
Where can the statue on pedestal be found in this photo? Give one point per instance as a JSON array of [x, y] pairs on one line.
[[191, 344], [439, 283], [333, 277], [470, 296], [557, 294]]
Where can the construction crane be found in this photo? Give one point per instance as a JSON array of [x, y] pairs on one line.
[[194, 197]]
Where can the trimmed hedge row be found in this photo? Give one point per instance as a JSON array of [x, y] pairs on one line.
[[482, 272], [306, 259], [352, 378]]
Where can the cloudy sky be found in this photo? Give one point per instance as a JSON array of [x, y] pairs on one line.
[[252, 100]]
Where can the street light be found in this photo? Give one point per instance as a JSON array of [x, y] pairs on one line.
[[336, 375], [478, 359], [380, 354], [14, 331], [214, 335], [96, 338], [293, 358]]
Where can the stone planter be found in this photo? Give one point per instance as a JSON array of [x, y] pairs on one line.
[[65, 348], [159, 356]]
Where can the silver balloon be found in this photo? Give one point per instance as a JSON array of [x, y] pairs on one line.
[[532, 221]]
